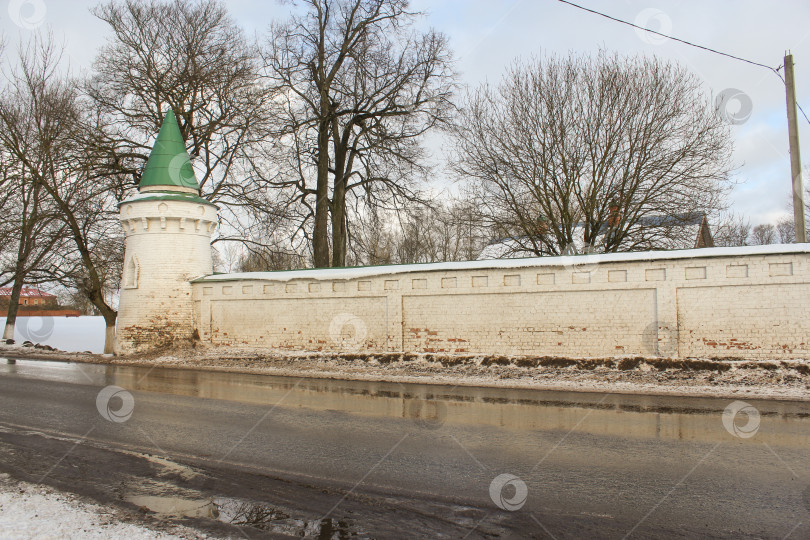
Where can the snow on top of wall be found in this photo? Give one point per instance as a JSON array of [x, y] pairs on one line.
[[495, 264]]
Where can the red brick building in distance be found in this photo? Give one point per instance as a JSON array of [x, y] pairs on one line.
[[35, 303]]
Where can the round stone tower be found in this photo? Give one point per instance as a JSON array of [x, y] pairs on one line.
[[167, 227]]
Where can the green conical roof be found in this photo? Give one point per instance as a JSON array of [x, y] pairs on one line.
[[168, 163]]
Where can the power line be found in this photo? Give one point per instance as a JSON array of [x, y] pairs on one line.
[[685, 42]]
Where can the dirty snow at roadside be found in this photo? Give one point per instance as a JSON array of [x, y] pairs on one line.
[[31, 511]]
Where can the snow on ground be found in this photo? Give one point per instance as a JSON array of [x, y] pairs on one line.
[[33, 511], [764, 379], [778, 379], [72, 334]]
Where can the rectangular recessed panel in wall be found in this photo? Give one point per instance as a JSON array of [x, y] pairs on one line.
[[391, 284], [419, 284], [617, 275], [580, 277], [655, 274], [695, 272], [269, 288], [480, 281], [227, 289], [737, 270], [780, 269], [511, 280], [247, 289], [570, 323], [291, 287], [546, 278], [769, 321], [308, 323], [208, 291], [314, 287], [364, 285], [339, 286], [449, 283]]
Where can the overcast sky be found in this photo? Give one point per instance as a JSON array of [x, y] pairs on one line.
[[486, 35]]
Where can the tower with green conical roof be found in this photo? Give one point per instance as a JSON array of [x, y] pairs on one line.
[[168, 228]]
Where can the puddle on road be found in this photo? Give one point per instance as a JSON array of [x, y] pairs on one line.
[[433, 406], [175, 506]]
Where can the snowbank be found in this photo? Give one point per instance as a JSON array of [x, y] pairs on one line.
[[31, 511], [778, 379], [71, 334]]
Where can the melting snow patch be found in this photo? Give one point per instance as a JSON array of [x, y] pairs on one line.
[[31, 511]]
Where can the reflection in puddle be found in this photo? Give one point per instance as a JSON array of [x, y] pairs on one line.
[[427, 407], [175, 506], [267, 518]]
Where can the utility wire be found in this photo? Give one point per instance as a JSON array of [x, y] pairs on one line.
[[709, 49]]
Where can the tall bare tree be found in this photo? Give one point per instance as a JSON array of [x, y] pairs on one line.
[[362, 87], [31, 221], [591, 146], [45, 133], [193, 58]]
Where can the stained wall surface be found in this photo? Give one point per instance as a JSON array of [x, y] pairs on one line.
[[718, 302]]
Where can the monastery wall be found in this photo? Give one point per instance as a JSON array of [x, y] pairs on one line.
[[717, 302]]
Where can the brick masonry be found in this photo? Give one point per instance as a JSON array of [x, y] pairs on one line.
[[715, 302], [167, 244]]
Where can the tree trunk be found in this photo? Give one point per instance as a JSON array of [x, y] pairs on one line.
[[109, 314], [339, 225], [339, 201], [320, 238], [13, 306], [109, 335]]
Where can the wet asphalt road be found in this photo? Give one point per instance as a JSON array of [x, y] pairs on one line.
[[593, 465]]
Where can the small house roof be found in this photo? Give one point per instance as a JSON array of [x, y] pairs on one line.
[[27, 292]]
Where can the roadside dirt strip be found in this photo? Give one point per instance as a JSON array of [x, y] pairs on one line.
[[707, 377]]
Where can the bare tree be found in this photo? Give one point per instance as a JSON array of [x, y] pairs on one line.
[[31, 225], [43, 131], [372, 240], [450, 229], [732, 230], [592, 146], [362, 87], [268, 259], [193, 58], [786, 231], [763, 234]]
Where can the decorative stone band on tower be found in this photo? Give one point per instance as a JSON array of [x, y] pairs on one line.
[[168, 229]]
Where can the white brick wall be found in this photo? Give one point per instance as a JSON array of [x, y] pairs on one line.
[[716, 304]]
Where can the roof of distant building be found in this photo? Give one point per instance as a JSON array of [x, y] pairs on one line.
[[27, 292]]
